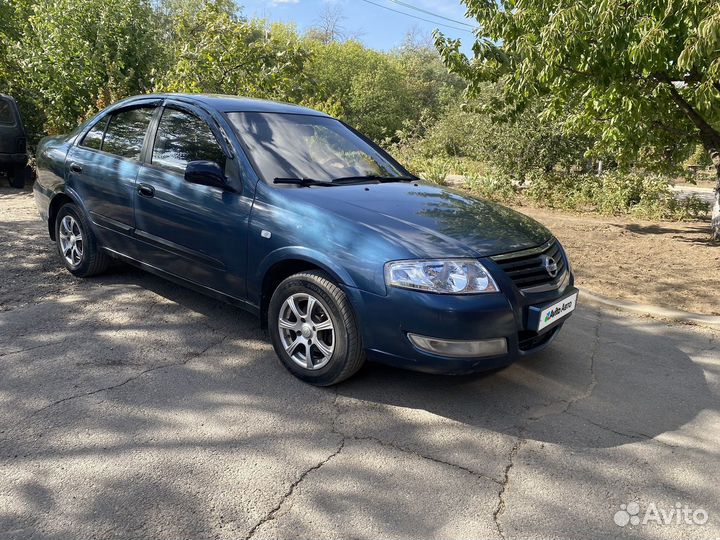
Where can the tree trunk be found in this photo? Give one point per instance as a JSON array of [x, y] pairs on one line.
[[710, 138], [715, 156]]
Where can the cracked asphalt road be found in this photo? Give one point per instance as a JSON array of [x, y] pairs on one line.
[[132, 408]]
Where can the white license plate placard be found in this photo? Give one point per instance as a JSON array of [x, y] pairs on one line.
[[558, 310]]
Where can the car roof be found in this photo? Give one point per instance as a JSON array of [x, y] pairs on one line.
[[223, 103]]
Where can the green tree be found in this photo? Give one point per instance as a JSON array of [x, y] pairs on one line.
[[431, 85], [14, 15], [640, 76], [512, 145], [76, 57], [217, 51], [5, 27], [367, 86], [376, 92]]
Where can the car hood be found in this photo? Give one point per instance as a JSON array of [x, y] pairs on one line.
[[429, 220]]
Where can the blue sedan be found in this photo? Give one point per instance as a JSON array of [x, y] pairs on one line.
[[298, 218]]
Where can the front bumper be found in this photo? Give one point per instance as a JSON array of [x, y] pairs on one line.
[[387, 320]]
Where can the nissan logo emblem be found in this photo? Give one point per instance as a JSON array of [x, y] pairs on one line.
[[550, 265]]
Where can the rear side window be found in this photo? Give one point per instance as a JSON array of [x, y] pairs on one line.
[[94, 137], [7, 115], [182, 138], [125, 135]]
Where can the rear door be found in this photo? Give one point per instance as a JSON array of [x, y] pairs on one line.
[[102, 169], [193, 231]]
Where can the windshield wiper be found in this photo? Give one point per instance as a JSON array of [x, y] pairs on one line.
[[375, 178], [302, 182], [344, 180]]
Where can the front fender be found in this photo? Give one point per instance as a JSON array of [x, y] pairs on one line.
[[300, 253]]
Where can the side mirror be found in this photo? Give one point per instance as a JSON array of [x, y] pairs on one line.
[[206, 173]]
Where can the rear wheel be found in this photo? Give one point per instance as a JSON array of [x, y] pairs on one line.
[[16, 176], [77, 245], [313, 329]]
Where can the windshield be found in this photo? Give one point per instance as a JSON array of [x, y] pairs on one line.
[[308, 147]]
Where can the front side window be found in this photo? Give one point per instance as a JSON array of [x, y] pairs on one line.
[[305, 146], [7, 116], [125, 134], [182, 138], [94, 137]]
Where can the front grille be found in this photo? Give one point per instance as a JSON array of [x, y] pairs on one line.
[[527, 267]]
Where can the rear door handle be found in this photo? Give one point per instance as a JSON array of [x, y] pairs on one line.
[[146, 190], [75, 167]]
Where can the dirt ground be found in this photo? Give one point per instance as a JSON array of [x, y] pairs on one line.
[[667, 264]]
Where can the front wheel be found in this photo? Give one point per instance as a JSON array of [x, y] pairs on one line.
[[77, 245], [313, 329]]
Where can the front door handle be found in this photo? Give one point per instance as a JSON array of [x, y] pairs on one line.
[[145, 190], [75, 167]]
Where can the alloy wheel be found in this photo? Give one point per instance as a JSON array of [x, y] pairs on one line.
[[71, 240], [306, 331]]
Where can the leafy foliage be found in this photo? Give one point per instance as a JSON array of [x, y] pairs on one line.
[[636, 192], [510, 145], [378, 93], [77, 57], [639, 77], [630, 74], [218, 52]]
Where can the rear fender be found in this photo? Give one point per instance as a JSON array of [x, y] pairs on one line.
[[56, 200]]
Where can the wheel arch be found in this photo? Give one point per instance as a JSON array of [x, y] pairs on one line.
[[280, 268], [57, 202]]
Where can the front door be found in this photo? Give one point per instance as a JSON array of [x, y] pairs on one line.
[[192, 231]]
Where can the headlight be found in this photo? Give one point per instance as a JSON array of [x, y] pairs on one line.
[[456, 276]]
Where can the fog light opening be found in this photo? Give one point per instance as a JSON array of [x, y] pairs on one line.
[[456, 348]]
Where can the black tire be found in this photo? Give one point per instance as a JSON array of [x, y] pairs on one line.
[[93, 260], [348, 355], [16, 177]]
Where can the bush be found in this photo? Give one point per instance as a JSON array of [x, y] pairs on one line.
[[637, 193], [436, 169], [494, 187], [515, 144], [691, 208]]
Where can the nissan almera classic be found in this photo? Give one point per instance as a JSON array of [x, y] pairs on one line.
[[286, 212]]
